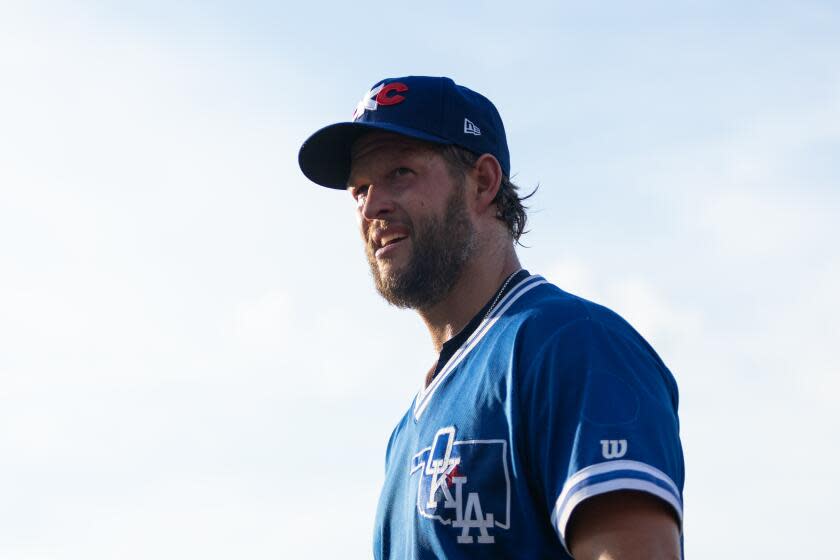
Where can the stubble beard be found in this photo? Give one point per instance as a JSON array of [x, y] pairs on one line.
[[441, 248]]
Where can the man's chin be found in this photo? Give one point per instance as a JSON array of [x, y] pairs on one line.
[[389, 274]]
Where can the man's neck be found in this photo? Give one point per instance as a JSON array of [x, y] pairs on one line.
[[479, 280]]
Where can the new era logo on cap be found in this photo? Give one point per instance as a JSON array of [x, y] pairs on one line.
[[470, 128]]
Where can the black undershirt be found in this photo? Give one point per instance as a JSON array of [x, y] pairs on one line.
[[452, 345]]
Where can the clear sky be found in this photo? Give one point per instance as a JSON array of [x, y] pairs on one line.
[[193, 361]]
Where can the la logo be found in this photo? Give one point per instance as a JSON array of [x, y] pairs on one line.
[[380, 95]]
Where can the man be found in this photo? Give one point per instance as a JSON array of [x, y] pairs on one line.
[[548, 427]]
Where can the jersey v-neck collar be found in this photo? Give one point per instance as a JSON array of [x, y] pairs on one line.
[[451, 346], [469, 337]]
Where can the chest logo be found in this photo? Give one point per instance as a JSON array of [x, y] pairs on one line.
[[464, 484]]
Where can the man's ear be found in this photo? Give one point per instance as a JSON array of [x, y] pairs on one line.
[[487, 174]]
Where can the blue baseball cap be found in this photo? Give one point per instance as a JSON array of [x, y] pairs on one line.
[[427, 108]]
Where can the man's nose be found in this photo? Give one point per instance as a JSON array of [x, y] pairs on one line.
[[378, 203]]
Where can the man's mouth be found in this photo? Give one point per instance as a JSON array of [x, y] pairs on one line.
[[387, 241], [389, 245]]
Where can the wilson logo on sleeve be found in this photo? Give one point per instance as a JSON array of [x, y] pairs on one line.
[[613, 448]]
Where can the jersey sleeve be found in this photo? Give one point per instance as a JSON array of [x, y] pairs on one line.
[[601, 416]]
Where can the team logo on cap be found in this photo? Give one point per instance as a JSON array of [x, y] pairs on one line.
[[383, 94]]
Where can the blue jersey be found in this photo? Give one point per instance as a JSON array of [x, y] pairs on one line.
[[550, 400]]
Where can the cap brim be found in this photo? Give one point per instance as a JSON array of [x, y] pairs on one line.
[[325, 156]]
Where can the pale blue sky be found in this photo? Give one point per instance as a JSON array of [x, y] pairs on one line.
[[193, 359]]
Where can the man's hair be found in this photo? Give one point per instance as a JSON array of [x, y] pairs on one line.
[[509, 207]]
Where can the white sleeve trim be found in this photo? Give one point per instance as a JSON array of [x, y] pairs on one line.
[[574, 492]]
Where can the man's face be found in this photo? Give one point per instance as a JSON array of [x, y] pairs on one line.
[[414, 219]]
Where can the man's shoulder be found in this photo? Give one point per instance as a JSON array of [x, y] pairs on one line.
[[548, 309], [558, 334], [551, 321]]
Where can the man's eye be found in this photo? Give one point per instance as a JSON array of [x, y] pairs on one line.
[[401, 171], [360, 192]]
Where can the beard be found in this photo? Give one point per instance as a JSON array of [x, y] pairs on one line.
[[441, 246]]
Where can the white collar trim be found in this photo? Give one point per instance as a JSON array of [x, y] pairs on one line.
[[425, 394]]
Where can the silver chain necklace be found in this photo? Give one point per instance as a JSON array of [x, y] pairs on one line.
[[499, 295]]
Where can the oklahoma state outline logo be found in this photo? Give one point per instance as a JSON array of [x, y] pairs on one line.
[[464, 484]]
